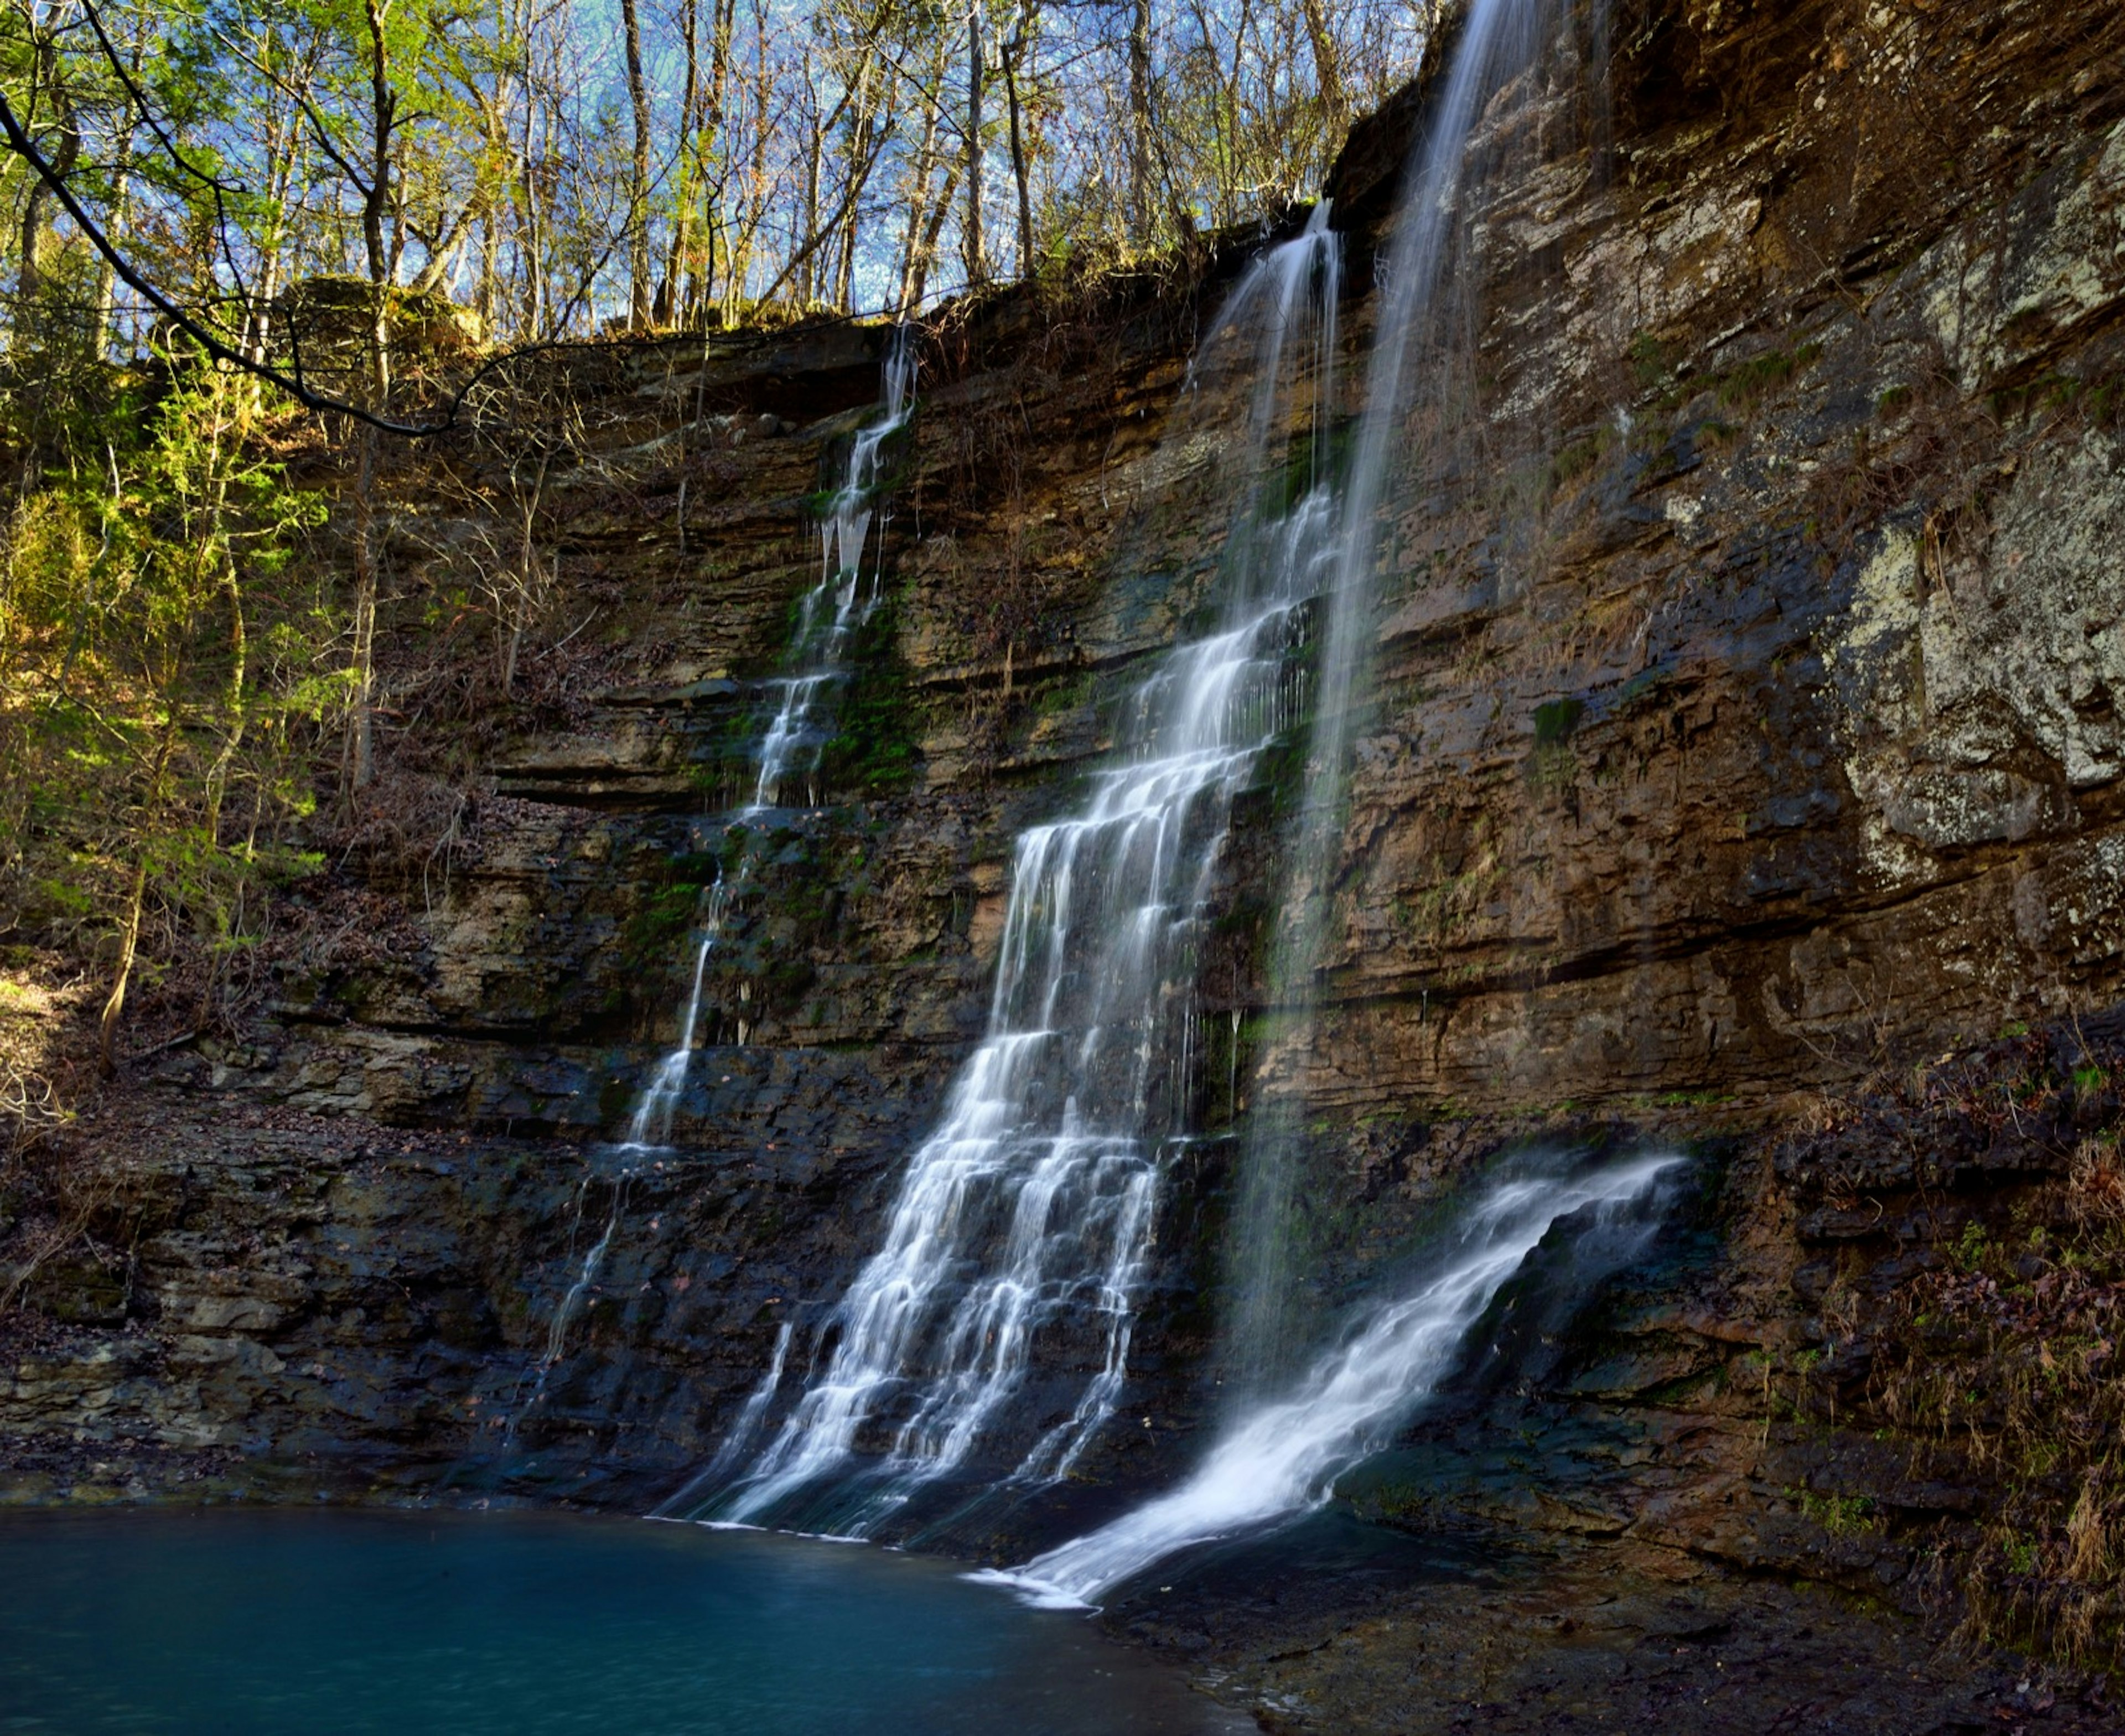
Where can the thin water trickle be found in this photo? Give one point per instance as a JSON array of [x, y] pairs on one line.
[[649, 1128], [564, 1313], [827, 616], [829, 613], [1035, 1200], [845, 596], [1283, 1455]]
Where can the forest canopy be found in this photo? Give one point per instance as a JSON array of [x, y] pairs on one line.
[[556, 167]]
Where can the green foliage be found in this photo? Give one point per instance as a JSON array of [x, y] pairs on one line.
[[1555, 721], [1581, 457], [877, 747], [161, 677], [1742, 386], [1842, 1516], [1649, 362]]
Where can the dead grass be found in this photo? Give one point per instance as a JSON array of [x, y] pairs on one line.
[[2003, 1364]]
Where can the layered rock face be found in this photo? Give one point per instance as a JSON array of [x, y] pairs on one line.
[[1744, 739]]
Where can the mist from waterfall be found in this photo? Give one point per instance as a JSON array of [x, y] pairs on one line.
[[1031, 1209]]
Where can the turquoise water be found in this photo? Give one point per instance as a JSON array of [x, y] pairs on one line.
[[342, 1624]]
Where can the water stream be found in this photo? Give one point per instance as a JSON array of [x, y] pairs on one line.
[[1029, 1213], [1032, 1207], [843, 598], [790, 746], [1295, 1424], [1499, 40], [1283, 1455]]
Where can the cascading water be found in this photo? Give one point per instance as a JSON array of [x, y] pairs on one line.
[[649, 1128], [845, 596], [1033, 1204], [831, 611], [1285, 1455], [790, 746], [1499, 40], [1289, 1438]]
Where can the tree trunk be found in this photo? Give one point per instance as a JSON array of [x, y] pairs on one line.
[[121, 212], [925, 252], [976, 78], [63, 156], [1327, 62], [1140, 58], [1014, 53], [129, 931], [670, 291], [808, 278], [361, 759], [360, 771], [641, 287], [925, 163]]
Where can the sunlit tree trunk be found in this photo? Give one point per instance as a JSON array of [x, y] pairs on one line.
[[641, 285], [976, 76], [361, 759], [48, 90], [671, 291], [136, 899]]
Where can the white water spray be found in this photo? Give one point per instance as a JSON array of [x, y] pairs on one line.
[[1283, 1456]]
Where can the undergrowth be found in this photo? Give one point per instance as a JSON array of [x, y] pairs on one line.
[[1989, 1346], [2007, 1358]]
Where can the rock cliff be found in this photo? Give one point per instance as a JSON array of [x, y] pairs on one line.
[[1743, 770]]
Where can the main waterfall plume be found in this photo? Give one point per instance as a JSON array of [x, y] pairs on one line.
[[1030, 1210], [1288, 1433]]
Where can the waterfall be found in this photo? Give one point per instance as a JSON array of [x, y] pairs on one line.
[[1283, 1456], [845, 595], [1498, 42], [649, 1129], [1032, 1207], [790, 745], [557, 1329], [827, 616], [1289, 1436]]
